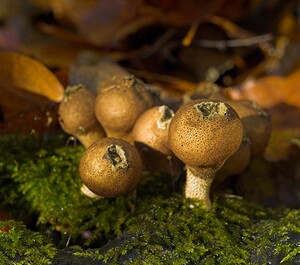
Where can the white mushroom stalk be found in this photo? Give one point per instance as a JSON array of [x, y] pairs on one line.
[[204, 134]]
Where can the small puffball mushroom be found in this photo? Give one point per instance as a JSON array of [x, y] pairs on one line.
[[204, 134], [151, 128], [205, 90], [256, 122], [150, 136], [235, 164], [77, 117], [119, 104], [110, 168]]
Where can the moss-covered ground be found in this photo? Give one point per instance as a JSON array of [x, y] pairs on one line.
[[40, 191]]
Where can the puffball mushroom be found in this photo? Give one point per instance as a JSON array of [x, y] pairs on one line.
[[110, 168], [120, 103], [205, 90], [204, 134], [256, 122], [151, 128], [150, 136], [77, 117], [235, 164]]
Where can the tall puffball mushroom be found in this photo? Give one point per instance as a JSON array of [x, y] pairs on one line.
[[150, 136], [77, 117], [204, 134], [110, 168], [120, 103]]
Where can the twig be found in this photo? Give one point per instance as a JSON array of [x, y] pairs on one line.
[[180, 85], [223, 44]]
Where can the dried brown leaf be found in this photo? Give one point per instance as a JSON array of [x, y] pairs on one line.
[[266, 91], [20, 74]]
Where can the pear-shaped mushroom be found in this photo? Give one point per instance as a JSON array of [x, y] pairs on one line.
[[235, 164], [119, 104], [109, 168], [150, 136], [151, 129], [77, 117], [256, 122], [204, 134]]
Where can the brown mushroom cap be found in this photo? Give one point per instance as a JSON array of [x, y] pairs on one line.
[[235, 164], [110, 167], [150, 136], [206, 90], [205, 133], [256, 122], [120, 103], [77, 117], [151, 129]]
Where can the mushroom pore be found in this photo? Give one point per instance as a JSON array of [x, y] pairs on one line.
[[204, 134], [109, 168]]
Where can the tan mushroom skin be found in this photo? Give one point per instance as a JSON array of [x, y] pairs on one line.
[[77, 117], [119, 104], [110, 167], [256, 122], [150, 136], [204, 134], [151, 129]]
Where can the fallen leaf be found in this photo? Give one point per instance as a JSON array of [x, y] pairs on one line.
[[266, 91], [291, 90], [20, 74], [97, 21], [286, 127]]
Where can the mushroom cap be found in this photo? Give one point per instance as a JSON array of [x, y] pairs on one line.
[[235, 164], [121, 102], [110, 167], [76, 111], [256, 122], [151, 129], [204, 133]]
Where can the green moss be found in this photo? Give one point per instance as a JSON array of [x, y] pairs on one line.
[[157, 226], [22, 246], [44, 181], [170, 231]]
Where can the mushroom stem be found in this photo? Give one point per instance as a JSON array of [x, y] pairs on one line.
[[87, 192], [92, 136], [198, 183]]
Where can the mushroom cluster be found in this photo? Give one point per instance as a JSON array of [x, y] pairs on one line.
[[127, 131]]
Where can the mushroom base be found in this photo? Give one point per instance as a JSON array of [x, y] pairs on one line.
[[87, 192], [95, 134]]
